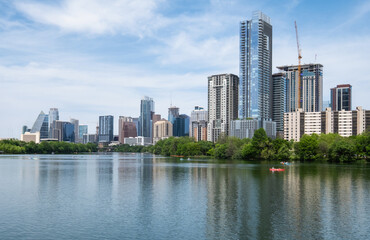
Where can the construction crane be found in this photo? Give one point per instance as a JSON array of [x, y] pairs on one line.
[[299, 68]]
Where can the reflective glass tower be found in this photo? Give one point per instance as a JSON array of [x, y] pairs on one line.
[[255, 76], [53, 116], [105, 129], [146, 113], [41, 125], [341, 97]]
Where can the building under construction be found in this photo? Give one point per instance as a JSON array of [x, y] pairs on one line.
[[311, 89]]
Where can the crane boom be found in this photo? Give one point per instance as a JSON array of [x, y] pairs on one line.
[[299, 68]]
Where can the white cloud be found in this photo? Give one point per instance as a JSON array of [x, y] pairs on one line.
[[95, 16]]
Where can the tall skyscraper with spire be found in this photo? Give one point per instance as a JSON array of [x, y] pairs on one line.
[[255, 77]]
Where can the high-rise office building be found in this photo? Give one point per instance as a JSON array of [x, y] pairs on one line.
[[82, 129], [222, 104], [279, 101], [341, 97], [53, 116], [311, 87], [181, 126], [146, 115], [255, 84], [41, 125], [173, 113], [63, 131], [198, 124], [105, 129], [162, 129], [76, 124], [126, 128]]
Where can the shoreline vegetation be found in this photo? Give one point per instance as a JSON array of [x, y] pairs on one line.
[[324, 147]]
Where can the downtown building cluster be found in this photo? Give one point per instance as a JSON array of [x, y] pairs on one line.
[[286, 104]]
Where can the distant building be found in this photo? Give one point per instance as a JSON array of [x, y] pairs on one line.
[[173, 113], [345, 123], [181, 126], [41, 125], [136, 121], [126, 128], [146, 114], [222, 104], [105, 129], [341, 97], [311, 87], [138, 141], [82, 129], [53, 116], [24, 129], [89, 138], [63, 131], [279, 101], [198, 124], [245, 128], [162, 130], [76, 125], [31, 137]]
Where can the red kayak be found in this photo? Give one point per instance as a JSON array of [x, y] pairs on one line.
[[277, 169]]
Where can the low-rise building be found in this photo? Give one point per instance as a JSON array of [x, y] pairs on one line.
[[31, 137], [245, 128], [138, 141], [345, 123]]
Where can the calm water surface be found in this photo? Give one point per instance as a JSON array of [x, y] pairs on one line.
[[141, 196]]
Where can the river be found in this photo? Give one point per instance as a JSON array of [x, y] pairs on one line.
[[142, 196]]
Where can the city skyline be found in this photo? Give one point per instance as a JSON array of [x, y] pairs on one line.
[[91, 64]]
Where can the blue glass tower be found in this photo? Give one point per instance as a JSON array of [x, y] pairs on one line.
[[105, 129], [41, 125], [146, 114], [255, 77]]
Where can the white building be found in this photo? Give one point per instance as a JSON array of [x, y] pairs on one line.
[[31, 137], [222, 104], [345, 123]]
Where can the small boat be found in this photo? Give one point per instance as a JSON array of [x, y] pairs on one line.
[[277, 169]]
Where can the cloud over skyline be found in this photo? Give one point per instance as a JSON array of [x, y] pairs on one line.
[[91, 57]]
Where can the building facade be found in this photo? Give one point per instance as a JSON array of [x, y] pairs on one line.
[[146, 114], [126, 128], [344, 123], [255, 68], [341, 97], [53, 116], [245, 128], [181, 126], [41, 125], [279, 101], [162, 130], [105, 129], [198, 124], [222, 104], [76, 124], [138, 141], [63, 131], [311, 87], [82, 129], [31, 137], [173, 113]]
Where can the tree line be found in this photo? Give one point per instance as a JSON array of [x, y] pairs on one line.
[[323, 147], [19, 147]]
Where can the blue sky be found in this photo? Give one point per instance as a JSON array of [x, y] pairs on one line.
[[95, 57]]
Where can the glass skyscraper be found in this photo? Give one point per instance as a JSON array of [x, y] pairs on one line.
[[341, 97], [255, 76], [53, 116], [146, 114], [41, 125], [105, 129]]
